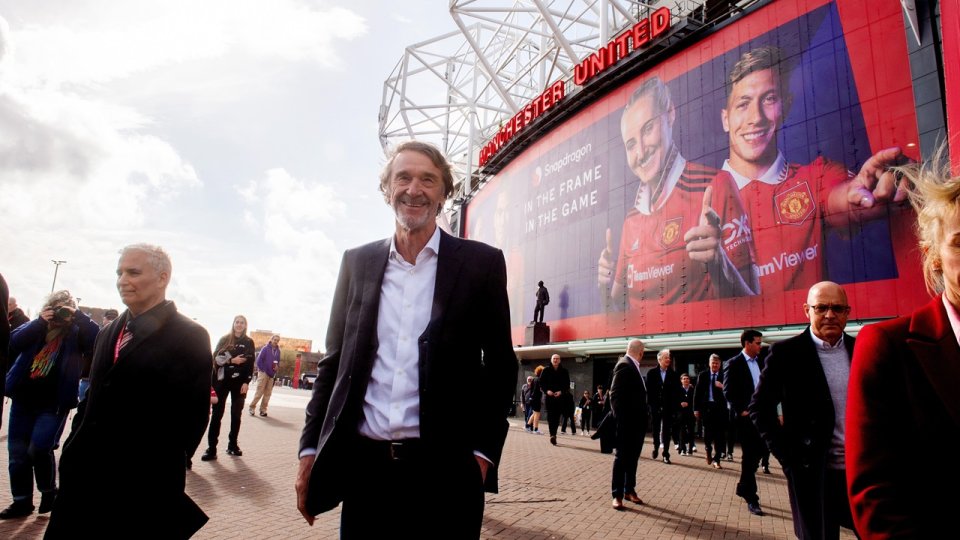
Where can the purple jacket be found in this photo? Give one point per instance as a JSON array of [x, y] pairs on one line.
[[268, 360]]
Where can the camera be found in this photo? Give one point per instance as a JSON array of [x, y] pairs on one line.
[[62, 314]]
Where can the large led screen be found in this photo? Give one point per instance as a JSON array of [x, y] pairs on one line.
[[711, 191]]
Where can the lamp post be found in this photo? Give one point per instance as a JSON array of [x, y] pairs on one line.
[[55, 270]]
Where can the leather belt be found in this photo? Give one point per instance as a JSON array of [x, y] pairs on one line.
[[402, 450]]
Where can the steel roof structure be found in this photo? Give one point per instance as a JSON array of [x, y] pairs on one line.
[[457, 89]]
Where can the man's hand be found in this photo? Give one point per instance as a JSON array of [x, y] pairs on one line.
[[696, 414], [703, 241], [875, 183], [684, 404], [605, 265], [303, 482], [243, 389], [745, 413], [484, 468], [238, 359]]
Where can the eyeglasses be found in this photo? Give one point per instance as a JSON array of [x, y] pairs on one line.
[[839, 309]]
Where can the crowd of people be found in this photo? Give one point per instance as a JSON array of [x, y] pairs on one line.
[[379, 415], [63, 360]]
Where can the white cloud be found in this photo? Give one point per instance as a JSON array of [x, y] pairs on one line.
[[106, 139], [117, 40]]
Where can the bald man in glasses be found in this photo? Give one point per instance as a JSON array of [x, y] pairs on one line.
[[808, 375]]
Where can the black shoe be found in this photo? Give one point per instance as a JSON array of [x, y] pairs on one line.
[[666, 459], [250, 411], [729, 457], [656, 453], [17, 509], [755, 509], [209, 454], [766, 469], [46, 501], [234, 451], [553, 440]]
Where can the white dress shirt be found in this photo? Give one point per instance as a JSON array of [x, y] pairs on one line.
[[754, 369], [391, 405], [774, 175]]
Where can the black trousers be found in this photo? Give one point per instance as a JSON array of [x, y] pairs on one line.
[[685, 423], [819, 502], [431, 495], [624, 478], [555, 408], [714, 429], [752, 447], [662, 429], [223, 389]]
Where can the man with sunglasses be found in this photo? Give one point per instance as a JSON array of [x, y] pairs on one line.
[[808, 375]]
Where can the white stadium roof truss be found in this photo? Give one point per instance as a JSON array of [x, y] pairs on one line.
[[457, 89]]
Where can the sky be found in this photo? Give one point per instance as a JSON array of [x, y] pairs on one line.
[[240, 135]]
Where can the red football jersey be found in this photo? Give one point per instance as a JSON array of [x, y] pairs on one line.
[[653, 264], [787, 223]]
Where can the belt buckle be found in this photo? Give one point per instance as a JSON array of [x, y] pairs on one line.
[[396, 450]]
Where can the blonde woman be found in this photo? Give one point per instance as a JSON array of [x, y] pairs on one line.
[[233, 369], [903, 383]]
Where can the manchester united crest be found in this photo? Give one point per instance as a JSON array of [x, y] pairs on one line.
[[795, 205], [671, 232]]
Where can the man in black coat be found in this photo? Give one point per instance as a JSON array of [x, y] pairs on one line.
[[807, 374], [15, 315], [122, 471], [413, 316], [555, 383], [628, 401], [663, 395], [710, 407], [740, 377]]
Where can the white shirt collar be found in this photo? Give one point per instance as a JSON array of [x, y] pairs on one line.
[[821, 344], [433, 244], [773, 176]]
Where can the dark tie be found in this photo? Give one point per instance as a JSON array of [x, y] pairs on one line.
[[713, 383]]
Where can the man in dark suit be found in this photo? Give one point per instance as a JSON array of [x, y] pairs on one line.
[[555, 382], [413, 316], [710, 407], [663, 396], [124, 459], [628, 401], [808, 375], [740, 377]]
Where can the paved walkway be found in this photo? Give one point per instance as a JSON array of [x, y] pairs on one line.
[[546, 492]]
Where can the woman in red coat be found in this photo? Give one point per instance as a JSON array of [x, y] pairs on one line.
[[903, 399]]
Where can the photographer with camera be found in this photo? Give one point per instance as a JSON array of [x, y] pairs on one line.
[[48, 357], [233, 370]]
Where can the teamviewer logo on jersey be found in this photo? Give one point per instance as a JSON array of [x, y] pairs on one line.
[[795, 205]]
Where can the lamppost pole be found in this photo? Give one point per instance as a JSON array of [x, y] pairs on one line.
[[55, 270]]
